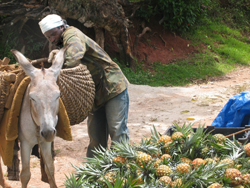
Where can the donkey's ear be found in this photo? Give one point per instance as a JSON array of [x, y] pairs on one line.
[[28, 68], [58, 61]]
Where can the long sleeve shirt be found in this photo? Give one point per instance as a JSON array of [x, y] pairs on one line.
[[108, 78]]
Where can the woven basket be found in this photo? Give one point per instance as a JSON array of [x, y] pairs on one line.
[[4, 91], [77, 92]]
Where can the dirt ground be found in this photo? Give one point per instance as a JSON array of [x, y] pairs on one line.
[[151, 106]]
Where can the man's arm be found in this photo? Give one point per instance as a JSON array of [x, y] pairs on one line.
[[75, 52]]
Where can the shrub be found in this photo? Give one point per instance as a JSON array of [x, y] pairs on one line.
[[177, 15], [236, 13]]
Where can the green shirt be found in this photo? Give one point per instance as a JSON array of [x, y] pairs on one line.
[[107, 75]]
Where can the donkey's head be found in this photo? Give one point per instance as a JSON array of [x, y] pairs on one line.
[[44, 93]]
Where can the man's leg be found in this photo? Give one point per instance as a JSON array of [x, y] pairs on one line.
[[97, 130], [117, 116]]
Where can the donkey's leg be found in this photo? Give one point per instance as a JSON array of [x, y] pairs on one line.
[[25, 158], [3, 183], [45, 149]]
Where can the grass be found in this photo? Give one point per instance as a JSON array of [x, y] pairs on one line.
[[226, 49]]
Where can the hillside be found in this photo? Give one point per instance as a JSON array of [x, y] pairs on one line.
[[156, 44]]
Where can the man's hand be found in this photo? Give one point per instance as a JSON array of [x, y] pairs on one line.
[[52, 55]]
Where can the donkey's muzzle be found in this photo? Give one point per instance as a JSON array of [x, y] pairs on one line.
[[48, 134]]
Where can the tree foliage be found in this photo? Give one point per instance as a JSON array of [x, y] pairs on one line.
[[177, 15]]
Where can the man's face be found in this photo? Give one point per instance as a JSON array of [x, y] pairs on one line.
[[54, 35]]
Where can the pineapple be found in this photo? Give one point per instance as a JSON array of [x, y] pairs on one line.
[[102, 182], [197, 162], [110, 177], [215, 185], [204, 151], [165, 139], [177, 135], [166, 147], [165, 156], [216, 159], [143, 158], [119, 159], [209, 160], [234, 156], [229, 161], [157, 163], [163, 170], [183, 168], [176, 183], [186, 160], [220, 138], [124, 149], [138, 180], [246, 179], [234, 175], [148, 147], [166, 180], [247, 149], [156, 155]]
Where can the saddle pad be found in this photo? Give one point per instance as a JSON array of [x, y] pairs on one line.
[[9, 124]]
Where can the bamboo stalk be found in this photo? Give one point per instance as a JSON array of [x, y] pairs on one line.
[[45, 59], [238, 132]]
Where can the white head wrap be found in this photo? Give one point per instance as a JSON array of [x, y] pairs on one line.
[[50, 22]]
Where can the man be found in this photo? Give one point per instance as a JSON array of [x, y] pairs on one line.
[[110, 112]]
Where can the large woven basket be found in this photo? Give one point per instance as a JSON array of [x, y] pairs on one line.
[[77, 92], [4, 91]]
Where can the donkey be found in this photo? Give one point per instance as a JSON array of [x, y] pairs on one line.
[[39, 114]]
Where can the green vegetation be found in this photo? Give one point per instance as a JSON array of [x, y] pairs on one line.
[[12, 38], [224, 33], [7, 45], [176, 15], [226, 49], [9, 40]]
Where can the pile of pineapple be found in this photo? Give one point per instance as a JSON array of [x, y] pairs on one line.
[[186, 159]]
